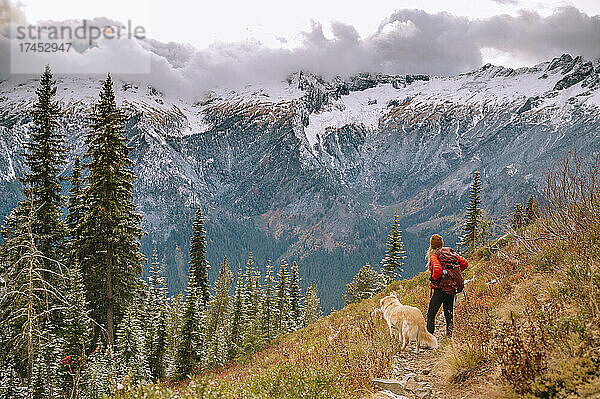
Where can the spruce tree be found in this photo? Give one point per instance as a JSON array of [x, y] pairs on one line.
[[218, 317], [311, 311], [175, 311], [76, 332], [237, 319], [532, 210], [130, 354], [251, 299], [188, 352], [518, 219], [282, 296], [198, 264], [267, 310], [366, 283], [469, 237], [109, 249], [392, 263], [156, 323], [295, 311], [45, 157]]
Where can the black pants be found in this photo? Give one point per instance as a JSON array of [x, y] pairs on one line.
[[438, 298]]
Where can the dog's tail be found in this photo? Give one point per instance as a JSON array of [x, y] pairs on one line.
[[428, 339]]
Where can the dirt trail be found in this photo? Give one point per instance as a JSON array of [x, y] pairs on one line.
[[419, 373]]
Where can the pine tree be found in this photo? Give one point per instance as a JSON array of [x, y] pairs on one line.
[[76, 208], [392, 263], [188, 352], [175, 311], [295, 311], [45, 157], [267, 311], [366, 283], [198, 264], [532, 210], [312, 306], [218, 317], [237, 319], [251, 299], [282, 296], [130, 355], [31, 304], [469, 238], [109, 250], [76, 332], [156, 314], [518, 219]]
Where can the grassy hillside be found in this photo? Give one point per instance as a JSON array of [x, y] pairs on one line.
[[527, 326]]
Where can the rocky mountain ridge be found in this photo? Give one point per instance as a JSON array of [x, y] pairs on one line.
[[312, 169]]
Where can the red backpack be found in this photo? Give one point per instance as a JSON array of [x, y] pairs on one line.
[[452, 282]]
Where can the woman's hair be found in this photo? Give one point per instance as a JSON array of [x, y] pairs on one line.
[[435, 242]]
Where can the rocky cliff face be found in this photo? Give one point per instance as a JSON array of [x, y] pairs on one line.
[[313, 169]]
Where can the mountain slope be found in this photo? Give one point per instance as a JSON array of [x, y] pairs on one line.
[[312, 169]]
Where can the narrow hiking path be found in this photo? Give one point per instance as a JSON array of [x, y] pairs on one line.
[[420, 377]]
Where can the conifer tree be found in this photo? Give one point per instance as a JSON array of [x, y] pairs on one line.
[[130, 344], [366, 283], [188, 353], [251, 299], [156, 326], [218, 317], [45, 157], [469, 237], [75, 207], [109, 250], [282, 296], [392, 263], [175, 311], [312, 306], [267, 310], [76, 331], [29, 306], [518, 219], [237, 319], [198, 264], [532, 210], [295, 311]]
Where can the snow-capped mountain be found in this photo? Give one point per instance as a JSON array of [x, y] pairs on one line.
[[312, 169]]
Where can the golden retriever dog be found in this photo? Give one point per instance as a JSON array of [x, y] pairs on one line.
[[406, 323]]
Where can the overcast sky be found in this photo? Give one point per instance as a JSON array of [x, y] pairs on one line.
[[201, 44]]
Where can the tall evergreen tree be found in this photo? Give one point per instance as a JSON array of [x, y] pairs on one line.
[[532, 210], [312, 306], [109, 250], [267, 306], [468, 239], [237, 319], [251, 299], [366, 283], [218, 317], [45, 158], [76, 332], [282, 296], [156, 315], [295, 297], [518, 219], [130, 354], [198, 264], [392, 263], [75, 207]]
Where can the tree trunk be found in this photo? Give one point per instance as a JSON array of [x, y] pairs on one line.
[[109, 297]]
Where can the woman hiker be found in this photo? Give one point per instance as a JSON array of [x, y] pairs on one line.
[[446, 280]]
